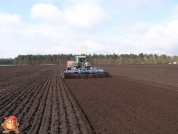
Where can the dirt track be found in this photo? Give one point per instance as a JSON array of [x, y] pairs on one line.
[[128, 102]]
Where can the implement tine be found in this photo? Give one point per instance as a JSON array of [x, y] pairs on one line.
[[84, 75]]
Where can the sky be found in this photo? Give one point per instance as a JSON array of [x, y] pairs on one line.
[[88, 27]]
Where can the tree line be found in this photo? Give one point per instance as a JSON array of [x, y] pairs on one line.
[[61, 59], [6, 61]]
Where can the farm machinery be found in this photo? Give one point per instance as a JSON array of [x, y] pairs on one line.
[[81, 68]]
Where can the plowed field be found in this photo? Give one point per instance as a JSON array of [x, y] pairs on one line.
[[136, 99]]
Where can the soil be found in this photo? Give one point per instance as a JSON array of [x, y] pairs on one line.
[[136, 99], [37, 96]]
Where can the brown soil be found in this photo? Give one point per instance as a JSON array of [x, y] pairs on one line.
[[136, 99], [38, 98], [164, 74]]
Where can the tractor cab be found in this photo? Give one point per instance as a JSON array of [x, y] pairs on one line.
[[81, 59]]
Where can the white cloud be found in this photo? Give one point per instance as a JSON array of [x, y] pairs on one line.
[[175, 9], [84, 15], [9, 24], [6, 19], [87, 47], [47, 31], [174, 15], [143, 38], [46, 12], [77, 28], [90, 46], [172, 28], [134, 4], [140, 27], [155, 32]]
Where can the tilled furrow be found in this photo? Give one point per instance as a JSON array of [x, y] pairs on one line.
[[38, 115], [16, 90], [17, 96], [46, 116], [73, 118], [20, 103], [56, 126], [41, 102], [63, 116], [28, 100], [84, 124], [11, 77], [28, 122]]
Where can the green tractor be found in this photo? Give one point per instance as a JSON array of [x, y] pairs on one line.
[[80, 62], [81, 68]]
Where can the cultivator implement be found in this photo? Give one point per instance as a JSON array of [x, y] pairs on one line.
[[81, 68], [84, 73]]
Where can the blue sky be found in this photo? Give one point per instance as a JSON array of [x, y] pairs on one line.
[[82, 26]]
